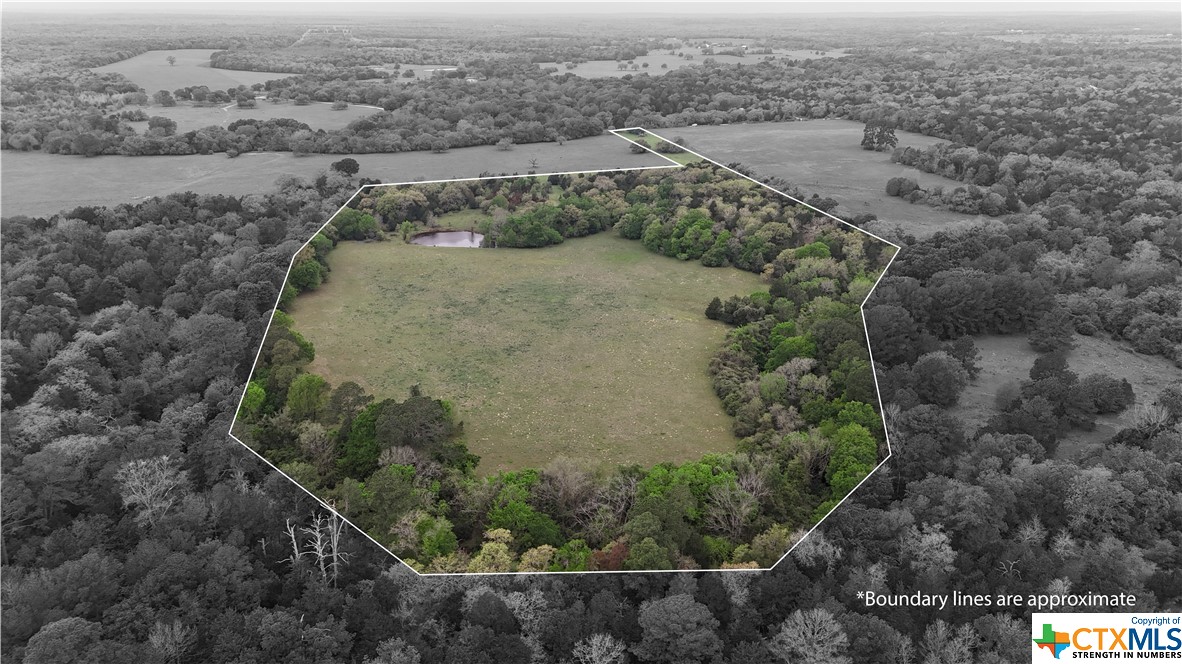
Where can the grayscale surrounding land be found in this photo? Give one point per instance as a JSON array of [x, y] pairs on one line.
[[639, 372]]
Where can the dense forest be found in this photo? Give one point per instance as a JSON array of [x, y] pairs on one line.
[[793, 373], [134, 529]]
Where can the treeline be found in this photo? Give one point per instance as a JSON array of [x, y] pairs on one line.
[[1001, 184], [1038, 121], [794, 373], [582, 49], [1096, 253], [323, 55], [305, 60], [1008, 280]]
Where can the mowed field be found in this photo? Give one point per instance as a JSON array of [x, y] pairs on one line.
[[152, 72], [38, 184], [603, 68], [594, 350], [825, 157], [1007, 360], [317, 115]]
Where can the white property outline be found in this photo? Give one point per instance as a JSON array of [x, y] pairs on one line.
[[861, 309], [673, 164]]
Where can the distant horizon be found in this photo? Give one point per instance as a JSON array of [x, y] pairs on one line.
[[459, 9]]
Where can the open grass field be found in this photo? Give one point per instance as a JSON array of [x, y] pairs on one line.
[[604, 68], [825, 157], [152, 72], [43, 184], [594, 350], [1007, 359], [317, 115]]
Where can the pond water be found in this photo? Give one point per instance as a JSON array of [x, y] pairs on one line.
[[449, 239]]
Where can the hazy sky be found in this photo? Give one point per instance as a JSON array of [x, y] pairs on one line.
[[550, 7]]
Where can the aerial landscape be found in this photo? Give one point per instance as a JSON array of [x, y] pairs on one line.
[[448, 333], [553, 348]]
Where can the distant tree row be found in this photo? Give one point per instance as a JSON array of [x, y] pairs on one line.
[[1041, 123]]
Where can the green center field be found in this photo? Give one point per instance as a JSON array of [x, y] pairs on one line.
[[594, 350]]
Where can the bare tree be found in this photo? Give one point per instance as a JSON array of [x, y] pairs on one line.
[[753, 476], [318, 446], [172, 640], [812, 636], [395, 651], [317, 543], [620, 495], [812, 449], [44, 346], [296, 551], [337, 558], [153, 485], [565, 487], [599, 649], [729, 509], [1032, 532], [815, 550], [943, 644], [906, 652], [322, 540], [1151, 418], [928, 549]]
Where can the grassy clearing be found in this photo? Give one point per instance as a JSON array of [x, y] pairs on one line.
[[33, 182], [316, 115], [1007, 360], [594, 350], [825, 157], [460, 220], [152, 72], [650, 141]]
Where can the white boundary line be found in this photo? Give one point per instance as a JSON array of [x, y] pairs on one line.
[[866, 331], [673, 165]]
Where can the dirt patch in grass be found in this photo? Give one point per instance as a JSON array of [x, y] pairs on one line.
[[594, 350]]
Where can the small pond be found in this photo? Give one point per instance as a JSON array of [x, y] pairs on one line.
[[448, 239]]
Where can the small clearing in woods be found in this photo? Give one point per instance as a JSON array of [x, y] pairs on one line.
[[1007, 359], [152, 72]]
